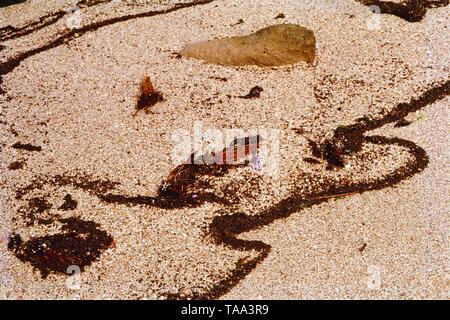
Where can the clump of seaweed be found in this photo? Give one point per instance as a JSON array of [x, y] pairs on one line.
[[16, 165], [148, 96], [182, 183], [79, 243], [255, 92], [69, 203], [26, 147]]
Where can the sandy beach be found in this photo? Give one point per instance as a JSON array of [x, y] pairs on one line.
[[342, 188]]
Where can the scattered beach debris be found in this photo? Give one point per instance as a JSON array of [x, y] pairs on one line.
[[255, 92], [148, 96], [69, 203], [350, 139], [275, 45], [16, 165], [79, 243], [176, 55], [182, 181], [408, 10], [26, 146], [37, 211], [186, 186], [240, 21], [223, 79], [362, 248]]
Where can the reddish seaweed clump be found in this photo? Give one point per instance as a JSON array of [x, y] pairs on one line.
[[182, 181], [80, 243], [148, 97]]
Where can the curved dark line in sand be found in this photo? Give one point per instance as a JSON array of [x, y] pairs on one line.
[[6, 3], [14, 62], [10, 32], [409, 10], [224, 229]]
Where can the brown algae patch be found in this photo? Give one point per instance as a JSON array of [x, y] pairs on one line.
[[78, 244], [148, 97], [255, 92], [26, 147], [276, 45], [69, 203], [16, 165], [409, 10]]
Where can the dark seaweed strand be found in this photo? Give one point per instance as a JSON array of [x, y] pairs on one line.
[[83, 182], [410, 10], [11, 32], [14, 62], [226, 234], [349, 139], [224, 229]]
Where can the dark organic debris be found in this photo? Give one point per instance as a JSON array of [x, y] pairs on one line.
[[6, 3], [298, 130], [409, 10], [349, 139], [26, 146], [72, 34], [184, 182], [363, 247], [223, 79], [69, 203], [12, 32], [255, 92], [176, 55], [37, 211], [16, 165], [148, 97], [183, 186], [83, 182], [78, 244], [226, 228], [240, 21], [39, 205], [280, 16]]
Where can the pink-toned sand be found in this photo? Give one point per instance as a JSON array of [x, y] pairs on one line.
[[76, 100]]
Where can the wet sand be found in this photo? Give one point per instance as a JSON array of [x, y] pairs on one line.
[[349, 201]]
